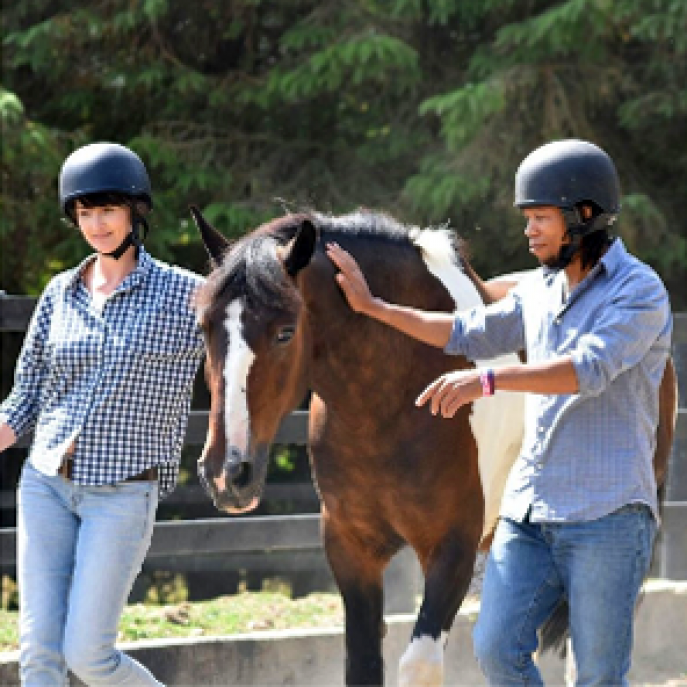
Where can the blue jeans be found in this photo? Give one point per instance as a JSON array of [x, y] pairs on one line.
[[597, 566], [79, 551]]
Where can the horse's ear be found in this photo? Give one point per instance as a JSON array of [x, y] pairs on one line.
[[215, 244], [298, 252]]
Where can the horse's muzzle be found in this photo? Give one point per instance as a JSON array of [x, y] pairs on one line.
[[238, 486], [238, 469]]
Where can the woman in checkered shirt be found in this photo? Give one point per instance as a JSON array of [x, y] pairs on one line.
[[104, 380]]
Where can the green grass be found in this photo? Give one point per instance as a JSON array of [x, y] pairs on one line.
[[227, 615], [8, 630]]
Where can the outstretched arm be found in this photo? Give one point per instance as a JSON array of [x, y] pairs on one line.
[[433, 328], [452, 390]]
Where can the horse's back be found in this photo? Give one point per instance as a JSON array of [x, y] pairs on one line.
[[667, 417]]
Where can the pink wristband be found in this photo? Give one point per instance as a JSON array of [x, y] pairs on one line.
[[488, 382]]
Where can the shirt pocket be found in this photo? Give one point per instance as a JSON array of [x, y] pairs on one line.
[[164, 335]]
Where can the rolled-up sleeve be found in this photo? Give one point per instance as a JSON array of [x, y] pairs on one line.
[[20, 408], [488, 331], [632, 323]]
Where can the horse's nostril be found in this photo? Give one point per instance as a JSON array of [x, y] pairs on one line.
[[240, 473]]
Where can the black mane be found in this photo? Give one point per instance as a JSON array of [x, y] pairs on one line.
[[251, 269]]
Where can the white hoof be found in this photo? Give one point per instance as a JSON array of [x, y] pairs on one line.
[[422, 664]]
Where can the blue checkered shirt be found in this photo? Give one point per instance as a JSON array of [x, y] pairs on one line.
[[119, 382], [585, 454]]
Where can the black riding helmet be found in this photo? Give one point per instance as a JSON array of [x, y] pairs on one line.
[[569, 174], [101, 168]]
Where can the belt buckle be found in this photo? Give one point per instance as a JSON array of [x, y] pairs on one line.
[[146, 475]]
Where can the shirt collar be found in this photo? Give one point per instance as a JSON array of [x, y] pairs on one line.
[[614, 256], [609, 262], [143, 267]]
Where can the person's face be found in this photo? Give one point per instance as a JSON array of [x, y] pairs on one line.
[[104, 227], [546, 233]]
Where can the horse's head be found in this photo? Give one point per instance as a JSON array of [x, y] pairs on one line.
[[252, 316]]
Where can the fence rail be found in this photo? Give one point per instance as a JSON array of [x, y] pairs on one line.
[[263, 534], [294, 539]]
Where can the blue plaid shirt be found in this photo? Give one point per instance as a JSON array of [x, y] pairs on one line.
[[119, 382], [586, 454]]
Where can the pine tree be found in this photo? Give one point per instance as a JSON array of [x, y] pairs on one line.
[[420, 107]]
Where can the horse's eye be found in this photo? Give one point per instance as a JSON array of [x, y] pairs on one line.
[[285, 334]]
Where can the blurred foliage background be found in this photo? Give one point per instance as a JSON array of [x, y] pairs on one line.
[[423, 108]]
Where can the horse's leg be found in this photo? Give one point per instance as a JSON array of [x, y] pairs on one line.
[[448, 571], [360, 583]]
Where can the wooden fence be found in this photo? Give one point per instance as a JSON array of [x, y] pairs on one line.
[[291, 544]]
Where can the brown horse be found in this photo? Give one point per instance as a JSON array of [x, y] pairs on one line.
[[388, 473]]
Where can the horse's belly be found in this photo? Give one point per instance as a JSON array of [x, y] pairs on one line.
[[498, 426]]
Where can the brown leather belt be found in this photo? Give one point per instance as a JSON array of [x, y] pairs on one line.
[[148, 475]]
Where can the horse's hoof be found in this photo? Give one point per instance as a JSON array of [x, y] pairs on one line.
[[422, 664]]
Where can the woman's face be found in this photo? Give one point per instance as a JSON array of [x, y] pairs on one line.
[[104, 227]]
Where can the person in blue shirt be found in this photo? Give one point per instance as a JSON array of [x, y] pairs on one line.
[[579, 512], [104, 380]]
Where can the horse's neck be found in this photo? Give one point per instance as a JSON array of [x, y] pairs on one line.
[[354, 357]]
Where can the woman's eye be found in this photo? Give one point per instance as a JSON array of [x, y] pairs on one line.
[[285, 334]]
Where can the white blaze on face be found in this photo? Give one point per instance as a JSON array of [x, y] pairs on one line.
[[497, 422], [236, 369], [422, 664]]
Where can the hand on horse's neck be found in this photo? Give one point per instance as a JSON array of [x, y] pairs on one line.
[[105, 274]]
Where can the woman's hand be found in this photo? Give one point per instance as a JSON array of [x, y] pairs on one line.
[[351, 279], [7, 437], [451, 391]]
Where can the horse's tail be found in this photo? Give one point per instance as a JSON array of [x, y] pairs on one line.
[[554, 632], [667, 419]]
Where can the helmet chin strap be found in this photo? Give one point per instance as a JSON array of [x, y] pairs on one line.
[[122, 248], [133, 238], [577, 229]]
